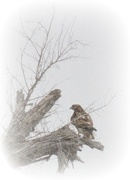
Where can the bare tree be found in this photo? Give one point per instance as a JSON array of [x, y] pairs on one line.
[[29, 109]]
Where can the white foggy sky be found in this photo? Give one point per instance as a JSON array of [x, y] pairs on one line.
[[105, 25]]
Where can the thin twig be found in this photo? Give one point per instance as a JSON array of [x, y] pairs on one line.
[[103, 106]]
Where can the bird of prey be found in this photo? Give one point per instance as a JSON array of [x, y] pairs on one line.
[[82, 121]]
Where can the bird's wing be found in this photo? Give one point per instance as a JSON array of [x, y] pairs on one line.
[[81, 123], [88, 118], [84, 120]]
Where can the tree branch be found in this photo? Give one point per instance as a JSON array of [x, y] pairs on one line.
[[23, 122], [63, 143]]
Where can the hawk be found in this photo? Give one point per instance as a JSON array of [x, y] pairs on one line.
[[82, 121]]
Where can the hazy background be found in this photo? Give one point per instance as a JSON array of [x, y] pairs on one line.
[[105, 72]]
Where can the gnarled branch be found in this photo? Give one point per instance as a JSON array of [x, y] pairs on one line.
[[63, 143]]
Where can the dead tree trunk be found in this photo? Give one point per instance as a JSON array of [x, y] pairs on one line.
[[64, 142]]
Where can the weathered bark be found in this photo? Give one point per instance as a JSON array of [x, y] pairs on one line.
[[23, 122], [64, 142]]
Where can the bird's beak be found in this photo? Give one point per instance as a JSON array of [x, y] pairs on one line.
[[71, 107]]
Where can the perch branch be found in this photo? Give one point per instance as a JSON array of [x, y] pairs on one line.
[[63, 143]]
